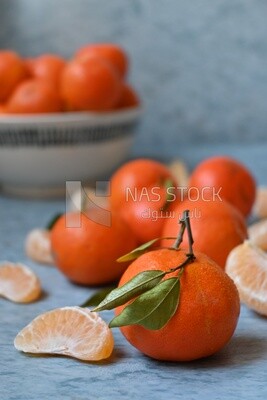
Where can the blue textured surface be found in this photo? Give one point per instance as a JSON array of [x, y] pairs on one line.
[[199, 66], [237, 372]]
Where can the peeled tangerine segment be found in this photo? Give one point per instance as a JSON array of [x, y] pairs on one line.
[[18, 283], [247, 266], [258, 234], [69, 331], [38, 246]]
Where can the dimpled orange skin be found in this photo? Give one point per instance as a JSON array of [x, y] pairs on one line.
[[205, 319], [88, 254], [217, 227], [237, 184]]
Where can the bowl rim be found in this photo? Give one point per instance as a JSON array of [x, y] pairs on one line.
[[92, 118]]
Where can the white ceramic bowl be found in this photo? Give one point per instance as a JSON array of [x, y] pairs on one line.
[[39, 153]]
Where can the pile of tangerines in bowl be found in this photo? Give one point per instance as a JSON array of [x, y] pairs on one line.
[[93, 80], [180, 250]]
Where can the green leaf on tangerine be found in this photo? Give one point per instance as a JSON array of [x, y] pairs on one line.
[[139, 284], [152, 309], [97, 297], [140, 250]]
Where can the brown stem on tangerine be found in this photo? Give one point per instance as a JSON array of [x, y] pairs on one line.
[[180, 236], [190, 235], [190, 257]]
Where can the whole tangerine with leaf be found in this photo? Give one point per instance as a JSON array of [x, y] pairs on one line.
[[217, 225], [174, 304], [229, 178], [142, 191], [86, 246]]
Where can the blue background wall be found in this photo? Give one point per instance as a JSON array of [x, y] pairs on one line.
[[200, 66]]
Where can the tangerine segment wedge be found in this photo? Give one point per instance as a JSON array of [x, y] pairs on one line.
[[38, 246], [18, 283], [257, 233], [247, 266], [69, 331]]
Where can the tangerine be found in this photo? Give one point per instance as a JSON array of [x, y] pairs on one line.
[[87, 254], [34, 97], [12, 72], [129, 98], [217, 225], [90, 84], [139, 192], [133, 177], [206, 316], [47, 67], [229, 178], [110, 52]]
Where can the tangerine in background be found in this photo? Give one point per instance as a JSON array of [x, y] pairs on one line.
[[34, 96], [47, 67], [139, 194], [112, 53], [136, 175], [206, 316], [90, 83], [129, 97], [87, 254], [12, 72], [226, 175], [217, 227]]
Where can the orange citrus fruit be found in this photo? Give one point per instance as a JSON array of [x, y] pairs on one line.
[[217, 227], [69, 331], [206, 316], [87, 254], [34, 97], [18, 283], [135, 176], [129, 97], [90, 84], [140, 195], [247, 266], [47, 67], [3, 109], [110, 52], [12, 72], [229, 178]]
